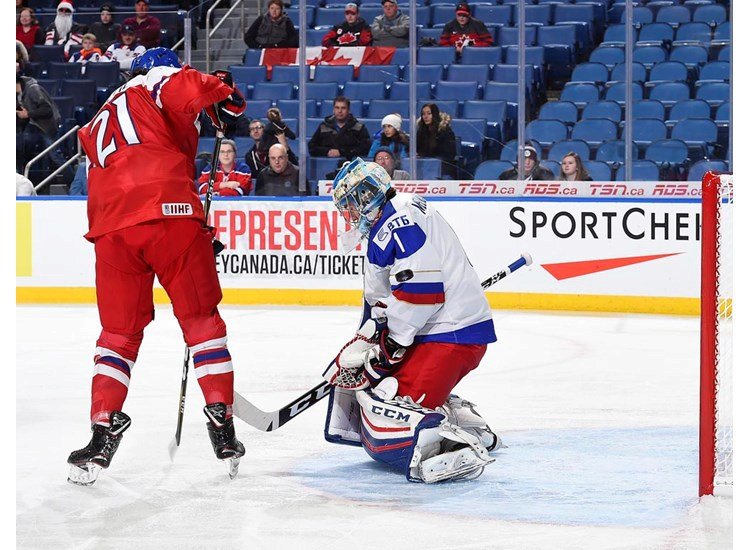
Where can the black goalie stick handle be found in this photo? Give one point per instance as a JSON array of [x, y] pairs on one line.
[[269, 421]]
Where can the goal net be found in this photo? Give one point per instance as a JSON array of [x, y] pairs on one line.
[[715, 460]]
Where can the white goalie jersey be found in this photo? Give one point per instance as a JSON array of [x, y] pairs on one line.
[[416, 266]]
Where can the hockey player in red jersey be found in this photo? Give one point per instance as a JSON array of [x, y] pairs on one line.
[[146, 221]]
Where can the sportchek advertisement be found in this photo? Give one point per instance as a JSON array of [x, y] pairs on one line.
[[581, 248], [498, 188]]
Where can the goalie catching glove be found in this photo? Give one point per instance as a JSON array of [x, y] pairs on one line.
[[228, 111], [366, 359]]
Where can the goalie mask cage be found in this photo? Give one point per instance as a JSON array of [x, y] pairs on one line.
[[715, 453]]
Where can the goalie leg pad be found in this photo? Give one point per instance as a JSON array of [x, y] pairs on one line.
[[343, 418], [407, 437]]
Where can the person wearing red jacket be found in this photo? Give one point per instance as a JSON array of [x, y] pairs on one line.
[[146, 220], [464, 31], [147, 27], [354, 31], [233, 179]]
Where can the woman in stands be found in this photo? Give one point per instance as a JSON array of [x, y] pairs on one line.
[[572, 168], [391, 137], [435, 138], [233, 178], [28, 30], [272, 30]]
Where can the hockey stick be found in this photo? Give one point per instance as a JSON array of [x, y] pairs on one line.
[[269, 421], [175, 443]]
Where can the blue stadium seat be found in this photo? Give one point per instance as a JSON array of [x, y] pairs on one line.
[[315, 36], [313, 123], [83, 92], [564, 111], [535, 55], [468, 73], [656, 34], [508, 36], [581, 16], [491, 169], [356, 107], [616, 92], [613, 152], [273, 90], [502, 91], [701, 135], [365, 90], [698, 169], [251, 57], [65, 106], [674, 15], [641, 15], [293, 15], [594, 131], [106, 74], [722, 33], [692, 56], [598, 170], [461, 91], [649, 55], [547, 132], [59, 71], [379, 73], [608, 56], [495, 113], [51, 85], [46, 54], [258, 108], [400, 90], [320, 91], [717, 71], [340, 74], [427, 168], [713, 14], [442, 14], [494, 15], [433, 33], [580, 93], [539, 14], [596, 73], [670, 93], [671, 155], [450, 106], [318, 167], [614, 35], [618, 72], [424, 16], [566, 146], [472, 134], [643, 170], [287, 73], [648, 108], [247, 74], [696, 32], [647, 130], [688, 108], [400, 57], [603, 109], [551, 165], [488, 56], [436, 56], [325, 18], [667, 71], [378, 108], [559, 43], [290, 108], [725, 54], [429, 73]]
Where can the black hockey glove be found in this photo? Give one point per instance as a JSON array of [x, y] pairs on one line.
[[228, 111]]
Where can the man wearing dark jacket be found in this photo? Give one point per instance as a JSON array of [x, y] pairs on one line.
[[354, 31], [107, 32], [532, 169], [340, 135], [280, 178]]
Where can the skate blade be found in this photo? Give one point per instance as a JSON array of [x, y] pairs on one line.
[[233, 466], [85, 475]]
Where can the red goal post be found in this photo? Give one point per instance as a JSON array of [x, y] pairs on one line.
[[715, 439]]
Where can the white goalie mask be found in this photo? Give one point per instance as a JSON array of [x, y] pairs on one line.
[[359, 193]]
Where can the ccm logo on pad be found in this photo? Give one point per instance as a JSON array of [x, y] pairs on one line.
[[177, 209]]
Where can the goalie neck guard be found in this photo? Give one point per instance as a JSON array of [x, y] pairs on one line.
[[360, 190]]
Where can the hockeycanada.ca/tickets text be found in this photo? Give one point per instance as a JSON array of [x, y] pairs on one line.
[[290, 264]]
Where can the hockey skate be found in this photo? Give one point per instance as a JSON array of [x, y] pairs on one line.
[[221, 432], [462, 413], [86, 463]]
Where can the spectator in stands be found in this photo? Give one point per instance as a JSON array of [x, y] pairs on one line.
[[280, 178], [233, 178], [276, 131], [272, 30], [572, 168], [80, 184], [64, 31], [391, 137], [126, 49], [89, 52], [384, 157], [531, 166], [37, 121], [28, 31], [24, 187], [340, 134], [354, 31], [22, 59], [464, 31], [106, 30], [147, 27], [252, 157], [391, 28], [435, 138], [20, 4]]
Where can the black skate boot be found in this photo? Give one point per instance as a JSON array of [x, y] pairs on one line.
[[221, 433], [86, 463]]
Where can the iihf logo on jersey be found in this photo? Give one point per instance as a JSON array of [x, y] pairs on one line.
[[177, 209]]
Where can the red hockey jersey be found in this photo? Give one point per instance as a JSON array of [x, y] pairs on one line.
[[140, 149]]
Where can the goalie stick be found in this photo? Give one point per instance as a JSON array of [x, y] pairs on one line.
[[273, 420]]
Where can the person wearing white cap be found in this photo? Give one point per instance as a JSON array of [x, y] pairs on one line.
[[63, 30], [391, 137], [354, 31], [531, 167]]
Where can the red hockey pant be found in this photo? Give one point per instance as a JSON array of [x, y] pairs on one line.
[[179, 253], [433, 369]]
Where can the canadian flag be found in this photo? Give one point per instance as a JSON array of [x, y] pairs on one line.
[[318, 55]]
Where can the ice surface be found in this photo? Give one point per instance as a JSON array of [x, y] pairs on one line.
[[599, 413]]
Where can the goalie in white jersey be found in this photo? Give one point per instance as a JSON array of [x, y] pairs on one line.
[[427, 324]]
